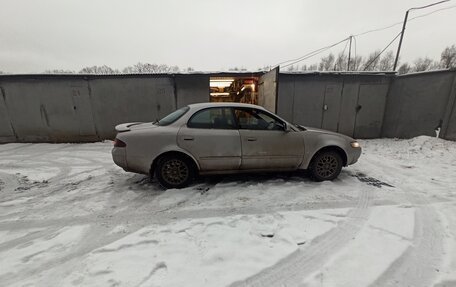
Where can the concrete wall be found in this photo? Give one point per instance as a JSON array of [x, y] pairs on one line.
[[351, 104], [123, 100], [82, 108], [191, 89], [51, 110], [79, 108], [449, 119], [420, 103]]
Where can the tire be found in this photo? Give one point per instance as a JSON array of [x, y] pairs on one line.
[[174, 171], [326, 165]]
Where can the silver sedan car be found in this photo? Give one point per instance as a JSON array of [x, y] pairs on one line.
[[223, 138]]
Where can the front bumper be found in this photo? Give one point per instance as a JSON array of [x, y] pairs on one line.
[[355, 153]]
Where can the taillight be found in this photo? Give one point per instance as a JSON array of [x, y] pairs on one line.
[[119, 143]]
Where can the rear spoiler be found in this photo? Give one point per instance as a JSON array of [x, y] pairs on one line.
[[126, 127]]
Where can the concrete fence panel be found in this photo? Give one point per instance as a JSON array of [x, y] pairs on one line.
[[331, 101], [6, 128], [49, 110], [191, 89], [449, 119], [416, 104], [348, 103], [285, 96], [130, 99], [82, 108], [370, 110], [309, 96]]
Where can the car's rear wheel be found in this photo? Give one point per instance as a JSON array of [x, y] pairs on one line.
[[174, 171], [326, 165]]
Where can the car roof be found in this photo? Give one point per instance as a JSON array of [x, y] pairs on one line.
[[225, 104]]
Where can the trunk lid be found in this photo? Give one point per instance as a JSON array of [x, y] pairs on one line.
[[132, 126]]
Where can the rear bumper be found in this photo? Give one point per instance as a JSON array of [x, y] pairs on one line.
[[119, 156]]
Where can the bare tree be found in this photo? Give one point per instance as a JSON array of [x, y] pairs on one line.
[[326, 63], [386, 62], [448, 57], [59, 71], [341, 62], [356, 63], [422, 64], [404, 69], [313, 67], [264, 68], [372, 61], [146, 68], [293, 68], [101, 70]]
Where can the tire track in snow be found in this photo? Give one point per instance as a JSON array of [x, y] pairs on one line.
[[22, 146], [420, 263], [292, 270]]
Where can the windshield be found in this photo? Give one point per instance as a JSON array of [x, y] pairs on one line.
[[172, 117]]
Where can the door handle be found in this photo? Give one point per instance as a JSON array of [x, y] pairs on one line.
[[188, 138], [251, 139]]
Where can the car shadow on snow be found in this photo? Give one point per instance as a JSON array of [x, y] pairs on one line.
[[146, 186], [295, 176]]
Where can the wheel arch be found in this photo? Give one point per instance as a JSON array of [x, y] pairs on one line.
[[173, 152], [335, 148]]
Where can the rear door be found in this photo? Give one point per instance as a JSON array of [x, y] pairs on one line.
[[267, 90], [265, 144], [212, 137]]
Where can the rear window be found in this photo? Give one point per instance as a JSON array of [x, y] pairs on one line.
[[212, 118], [172, 117]]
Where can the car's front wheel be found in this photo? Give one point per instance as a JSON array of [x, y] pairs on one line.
[[326, 166], [174, 171]]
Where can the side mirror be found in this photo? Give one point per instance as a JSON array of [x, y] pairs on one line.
[[286, 128]]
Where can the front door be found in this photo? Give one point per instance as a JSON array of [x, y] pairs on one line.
[[212, 137], [265, 143]]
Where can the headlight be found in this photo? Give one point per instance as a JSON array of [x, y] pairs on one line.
[[355, 144]]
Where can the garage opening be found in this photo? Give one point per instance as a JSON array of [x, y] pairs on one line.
[[234, 89]]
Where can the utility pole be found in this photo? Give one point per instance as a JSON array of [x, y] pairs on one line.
[[403, 28], [349, 53]]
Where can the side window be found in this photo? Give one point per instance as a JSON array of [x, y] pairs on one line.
[[252, 119], [212, 118]]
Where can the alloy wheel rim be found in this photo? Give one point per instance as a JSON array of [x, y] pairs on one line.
[[326, 166], [175, 172]]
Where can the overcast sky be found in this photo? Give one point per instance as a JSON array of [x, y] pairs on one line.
[[207, 35]]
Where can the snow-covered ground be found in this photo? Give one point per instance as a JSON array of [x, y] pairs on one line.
[[70, 217]]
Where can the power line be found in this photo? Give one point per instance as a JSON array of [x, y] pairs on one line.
[[405, 23], [401, 22], [429, 5], [308, 54], [349, 54], [311, 54], [430, 13], [318, 51], [340, 58], [376, 57], [354, 64]]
